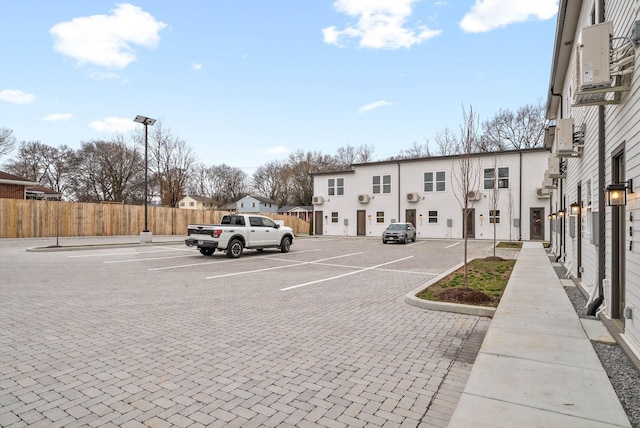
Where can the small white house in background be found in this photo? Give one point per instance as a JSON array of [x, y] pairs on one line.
[[302, 212], [425, 192], [256, 204], [197, 203]]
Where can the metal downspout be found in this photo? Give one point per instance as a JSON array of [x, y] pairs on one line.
[[399, 195], [602, 235], [520, 205]]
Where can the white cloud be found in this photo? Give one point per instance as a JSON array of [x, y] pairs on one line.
[[114, 124], [381, 24], [16, 96], [56, 117], [196, 67], [487, 15], [275, 151], [373, 106], [106, 40]]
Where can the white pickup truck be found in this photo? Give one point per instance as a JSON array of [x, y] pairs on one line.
[[237, 232]]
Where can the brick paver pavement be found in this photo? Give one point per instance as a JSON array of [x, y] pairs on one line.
[[97, 339]]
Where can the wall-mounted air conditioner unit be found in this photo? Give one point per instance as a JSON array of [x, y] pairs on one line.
[[564, 136], [474, 195], [543, 193], [318, 200], [413, 197], [604, 66], [548, 182], [593, 59], [556, 169], [364, 199]]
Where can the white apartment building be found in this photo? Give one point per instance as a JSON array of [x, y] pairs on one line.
[[594, 101], [505, 191]]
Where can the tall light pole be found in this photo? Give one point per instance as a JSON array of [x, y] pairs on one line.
[[145, 236]]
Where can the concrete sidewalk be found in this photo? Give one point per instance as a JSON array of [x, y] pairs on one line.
[[536, 366]]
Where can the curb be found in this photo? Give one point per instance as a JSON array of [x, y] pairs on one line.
[[411, 299], [98, 246]]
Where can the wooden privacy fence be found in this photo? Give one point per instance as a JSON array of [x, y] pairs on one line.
[[41, 219]]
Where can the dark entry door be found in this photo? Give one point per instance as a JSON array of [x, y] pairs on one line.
[[470, 231], [317, 223], [536, 225], [410, 216], [361, 216]]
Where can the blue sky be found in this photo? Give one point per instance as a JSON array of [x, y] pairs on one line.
[[244, 82]]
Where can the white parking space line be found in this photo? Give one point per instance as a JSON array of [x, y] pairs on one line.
[[147, 259], [296, 263], [270, 257], [122, 253], [344, 274], [365, 267], [453, 245]]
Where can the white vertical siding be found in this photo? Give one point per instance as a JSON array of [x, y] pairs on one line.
[[622, 129]]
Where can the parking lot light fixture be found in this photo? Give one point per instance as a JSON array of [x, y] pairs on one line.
[[145, 236]]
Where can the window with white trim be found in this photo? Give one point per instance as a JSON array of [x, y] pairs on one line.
[[494, 216], [435, 181], [432, 216], [381, 184], [336, 186], [490, 178], [503, 177]]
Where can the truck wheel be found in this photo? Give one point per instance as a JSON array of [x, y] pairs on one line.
[[234, 249], [207, 251], [285, 244]]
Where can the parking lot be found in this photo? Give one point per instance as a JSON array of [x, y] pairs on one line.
[[163, 336]]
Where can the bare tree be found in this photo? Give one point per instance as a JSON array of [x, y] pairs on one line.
[[31, 161], [170, 162], [523, 129], [466, 175], [447, 142], [365, 153], [220, 182], [108, 171], [300, 167], [49, 166], [7, 141], [414, 152], [271, 180], [348, 155]]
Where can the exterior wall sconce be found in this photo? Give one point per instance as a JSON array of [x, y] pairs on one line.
[[549, 217], [481, 218], [575, 208], [420, 217], [369, 217], [561, 212], [616, 193], [326, 219], [554, 216]]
